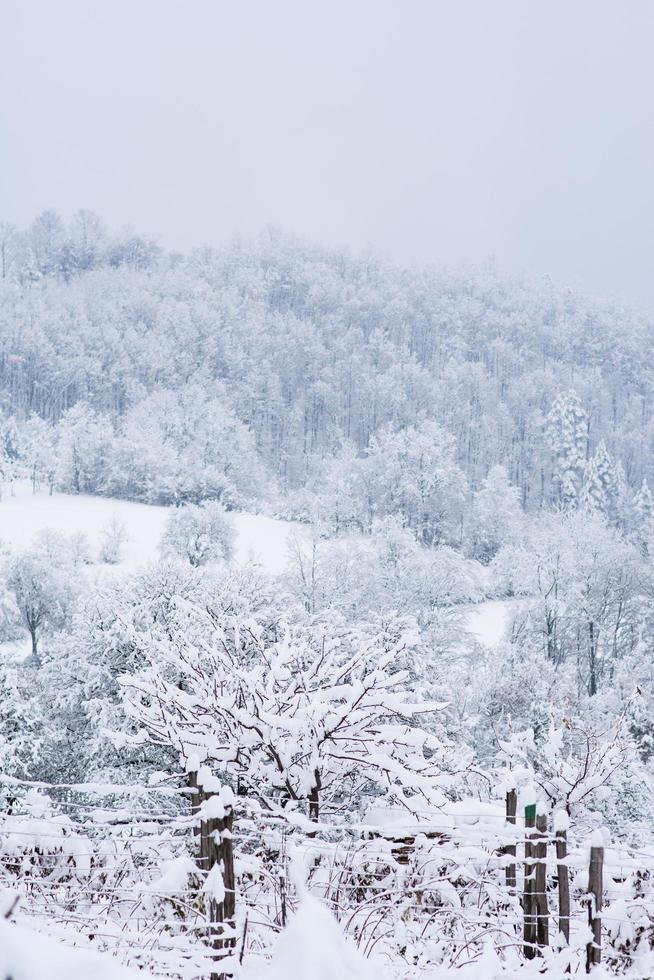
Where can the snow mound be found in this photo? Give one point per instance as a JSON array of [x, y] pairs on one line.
[[25, 955], [313, 947]]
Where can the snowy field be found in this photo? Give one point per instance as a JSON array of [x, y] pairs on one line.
[[23, 514], [259, 539]]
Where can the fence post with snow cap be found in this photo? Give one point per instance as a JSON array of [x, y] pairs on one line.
[[540, 877], [595, 888], [529, 897], [216, 815], [561, 824], [511, 850]]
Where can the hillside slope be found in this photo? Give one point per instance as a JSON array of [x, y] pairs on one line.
[[313, 349]]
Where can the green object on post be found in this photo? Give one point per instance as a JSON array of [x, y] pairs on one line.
[[530, 813]]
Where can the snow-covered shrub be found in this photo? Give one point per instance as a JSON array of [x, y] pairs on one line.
[[315, 720], [113, 537], [365, 575], [199, 533]]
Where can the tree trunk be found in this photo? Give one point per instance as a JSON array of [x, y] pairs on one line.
[[592, 658], [314, 800], [314, 805]]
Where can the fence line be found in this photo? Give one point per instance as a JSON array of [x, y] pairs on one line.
[[111, 877]]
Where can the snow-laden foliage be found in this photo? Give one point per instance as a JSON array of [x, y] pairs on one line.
[[316, 718]]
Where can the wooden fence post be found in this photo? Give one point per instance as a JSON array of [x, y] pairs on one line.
[[511, 812], [595, 889], [216, 858], [528, 901], [561, 823], [540, 878]]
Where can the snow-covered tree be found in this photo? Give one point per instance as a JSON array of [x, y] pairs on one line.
[[113, 625], [601, 489], [412, 473], [84, 450], [567, 436], [113, 537], [132, 250], [643, 515], [316, 719], [38, 440], [585, 585], [187, 446], [496, 515], [44, 593], [12, 249], [85, 244], [578, 767], [46, 236], [199, 533]]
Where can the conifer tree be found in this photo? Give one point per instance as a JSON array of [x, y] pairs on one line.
[[643, 511], [567, 435], [601, 487]]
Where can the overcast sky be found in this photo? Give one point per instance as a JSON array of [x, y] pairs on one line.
[[434, 130]]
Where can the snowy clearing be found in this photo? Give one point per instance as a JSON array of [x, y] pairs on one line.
[[489, 622], [259, 539], [23, 514]]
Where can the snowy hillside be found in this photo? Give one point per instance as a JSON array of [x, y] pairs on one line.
[[262, 540], [23, 514]]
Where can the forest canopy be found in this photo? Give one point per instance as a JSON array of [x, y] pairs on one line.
[[291, 358]]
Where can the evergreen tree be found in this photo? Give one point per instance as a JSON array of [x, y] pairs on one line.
[[601, 488], [643, 511], [567, 435]]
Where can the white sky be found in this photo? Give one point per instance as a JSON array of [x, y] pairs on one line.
[[435, 130]]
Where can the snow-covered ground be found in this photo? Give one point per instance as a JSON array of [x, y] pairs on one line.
[[27, 955], [489, 622], [24, 514], [264, 540]]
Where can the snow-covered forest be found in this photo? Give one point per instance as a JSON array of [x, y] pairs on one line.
[[304, 359], [326, 611]]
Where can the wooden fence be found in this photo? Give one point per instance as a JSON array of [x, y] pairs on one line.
[[98, 873]]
